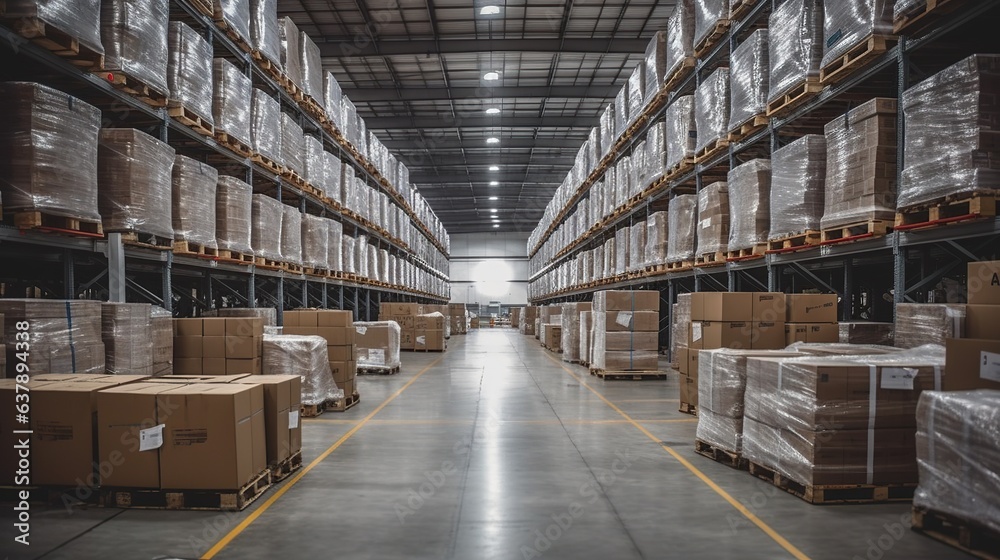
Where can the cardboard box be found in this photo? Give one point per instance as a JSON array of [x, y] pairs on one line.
[[625, 360], [237, 366], [244, 347], [811, 308], [245, 326], [692, 363], [627, 300], [342, 371], [187, 366], [642, 321], [281, 418], [767, 335], [300, 318], [335, 336], [213, 326], [187, 327], [213, 347], [683, 365], [553, 337], [688, 390], [198, 379], [632, 341], [335, 318], [721, 306], [348, 387], [971, 364], [340, 353], [726, 334], [984, 283], [130, 434], [213, 366], [429, 322], [188, 347], [768, 307], [982, 321], [811, 332], [696, 335], [428, 339]]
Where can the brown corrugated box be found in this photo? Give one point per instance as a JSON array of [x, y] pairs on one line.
[[631, 341], [971, 364], [428, 339], [984, 282], [126, 415], [637, 321], [626, 300], [638, 360], [811, 308], [811, 332], [283, 428]]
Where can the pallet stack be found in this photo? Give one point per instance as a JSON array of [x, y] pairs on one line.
[[218, 346], [626, 335], [337, 328], [811, 318], [377, 346]]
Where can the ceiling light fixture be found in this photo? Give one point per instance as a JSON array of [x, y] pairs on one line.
[[491, 76], [489, 10], [496, 225], [494, 168], [493, 198], [494, 210], [494, 183], [493, 111], [493, 140]]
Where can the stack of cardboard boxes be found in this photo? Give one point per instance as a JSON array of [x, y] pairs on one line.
[[974, 362], [626, 330], [570, 332], [444, 311], [526, 323], [217, 346], [456, 317], [405, 315], [811, 318], [337, 327], [377, 345], [515, 317], [928, 323], [65, 334], [162, 327], [127, 329], [550, 327], [429, 332]]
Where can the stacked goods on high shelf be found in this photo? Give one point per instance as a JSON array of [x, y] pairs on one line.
[[570, 333], [232, 101], [749, 189], [811, 318], [798, 171], [377, 346], [66, 335], [458, 320], [711, 21], [127, 332], [682, 227], [626, 333], [190, 63], [713, 224], [142, 65], [315, 235], [134, 184], [218, 345], [234, 219], [856, 31], [711, 114], [679, 57], [748, 78], [527, 322], [234, 17], [974, 355], [795, 50], [337, 328], [68, 28], [194, 196]]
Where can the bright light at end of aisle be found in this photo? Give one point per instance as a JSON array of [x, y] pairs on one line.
[[493, 111], [491, 76], [494, 168], [489, 10], [492, 140], [496, 225], [493, 198], [494, 183]]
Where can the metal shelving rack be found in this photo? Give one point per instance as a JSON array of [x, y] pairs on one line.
[[105, 268], [871, 275]]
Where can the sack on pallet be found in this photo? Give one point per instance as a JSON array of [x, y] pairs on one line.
[[679, 38], [305, 356], [265, 38], [80, 19], [847, 23], [134, 173], [798, 174], [127, 329], [377, 344], [190, 65], [749, 187], [713, 219], [795, 45], [134, 34], [194, 185], [748, 79], [232, 101]]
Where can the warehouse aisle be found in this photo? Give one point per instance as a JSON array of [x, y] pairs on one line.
[[495, 449]]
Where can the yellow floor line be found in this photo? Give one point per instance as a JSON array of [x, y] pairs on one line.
[[694, 470], [281, 491]]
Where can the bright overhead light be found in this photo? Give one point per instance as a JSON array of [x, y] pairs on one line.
[[494, 168], [493, 140], [494, 183], [496, 225], [489, 10], [494, 210], [493, 111], [491, 76], [493, 198]]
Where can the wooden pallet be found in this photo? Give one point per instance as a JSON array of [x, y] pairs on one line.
[[855, 58], [333, 405], [212, 500], [204, 7], [807, 240], [146, 240], [855, 232], [718, 258], [291, 268], [758, 122], [749, 253], [285, 468], [236, 257], [967, 535], [234, 145], [320, 272], [795, 96], [835, 493], [679, 74], [261, 262], [719, 455], [188, 118], [43, 221], [315, 109], [271, 69], [712, 149], [628, 375], [954, 209], [234, 36], [688, 408], [679, 168], [922, 16], [122, 81], [57, 41], [718, 32], [292, 89], [680, 266], [426, 349], [380, 370], [740, 8], [266, 163], [656, 269], [190, 249]]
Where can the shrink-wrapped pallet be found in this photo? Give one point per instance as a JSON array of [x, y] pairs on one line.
[[711, 109], [332, 99], [48, 152], [315, 242], [636, 86], [902, 8], [679, 327], [682, 228], [162, 328], [65, 335], [193, 206], [621, 341], [637, 246], [264, 36], [586, 329], [383, 265], [126, 330], [377, 344], [708, 14], [134, 34], [680, 131], [235, 15], [265, 126], [291, 62], [679, 51], [312, 68], [134, 174], [918, 324], [190, 65], [656, 239], [798, 172], [607, 126], [307, 357], [268, 314], [848, 23], [866, 332], [609, 258], [314, 162], [291, 235], [713, 219], [292, 144], [656, 152], [795, 45], [621, 250], [80, 19], [335, 254], [349, 254], [749, 204], [950, 145], [622, 112], [266, 227], [232, 101], [748, 78]]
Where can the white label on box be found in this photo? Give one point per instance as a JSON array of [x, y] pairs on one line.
[[624, 319], [706, 223], [989, 366], [151, 438], [361, 330], [898, 378], [293, 419], [376, 355], [696, 331], [422, 340]]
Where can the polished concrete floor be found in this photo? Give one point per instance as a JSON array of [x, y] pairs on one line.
[[496, 450]]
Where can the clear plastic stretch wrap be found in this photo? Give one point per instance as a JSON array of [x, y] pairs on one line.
[[639, 174], [48, 152], [292, 144], [335, 254], [194, 185], [232, 101], [838, 419], [798, 174], [713, 219], [656, 239], [951, 128], [846, 23], [570, 344], [291, 235], [711, 108], [266, 230], [749, 204], [866, 332], [680, 326], [347, 186], [377, 344], [332, 99], [622, 350], [312, 68], [348, 254], [918, 324], [332, 173], [134, 173], [307, 357], [291, 62], [680, 131], [372, 257], [656, 152], [679, 38], [795, 45], [586, 326], [383, 266], [65, 334], [134, 33], [190, 66], [265, 127], [682, 222], [621, 111], [861, 165], [654, 61], [748, 78], [80, 19], [315, 242], [126, 329], [264, 36], [902, 8], [958, 450], [607, 126], [236, 15], [621, 250], [609, 258], [636, 92], [268, 314], [637, 246], [162, 327], [707, 14], [314, 162]]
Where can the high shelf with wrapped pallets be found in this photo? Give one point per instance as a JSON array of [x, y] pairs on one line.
[[137, 265], [851, 256]]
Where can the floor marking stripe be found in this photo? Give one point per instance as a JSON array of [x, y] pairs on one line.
[[694, 470], [281, 491]]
